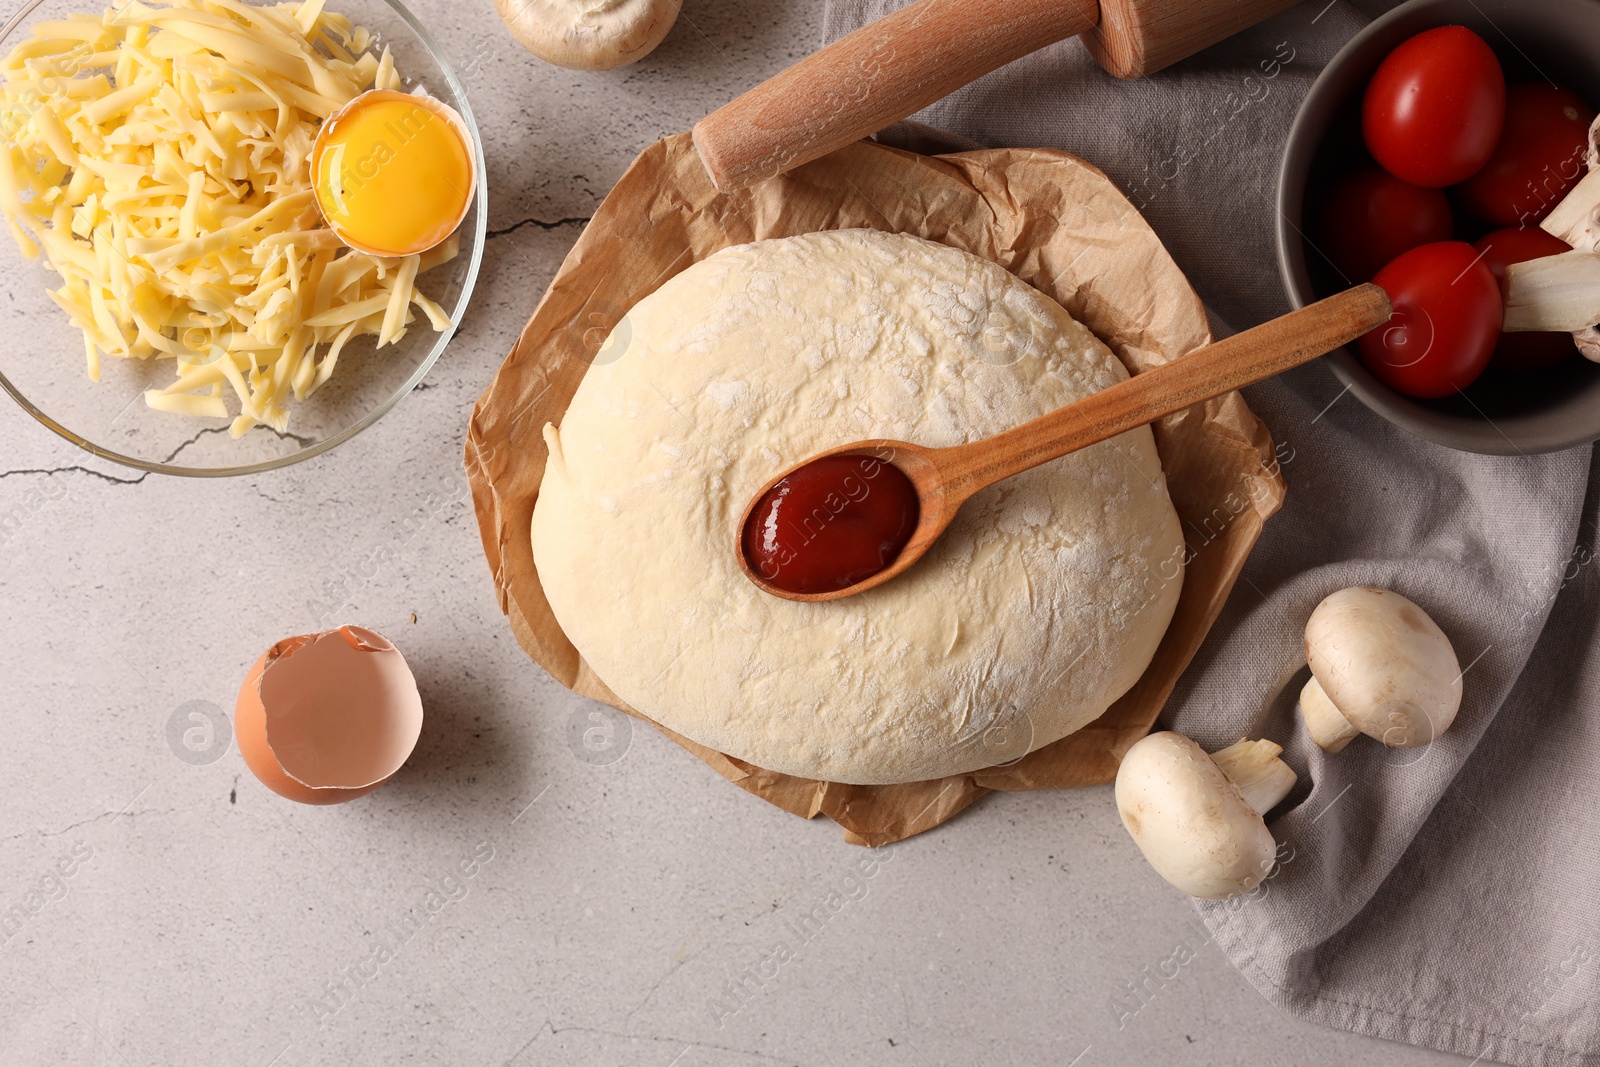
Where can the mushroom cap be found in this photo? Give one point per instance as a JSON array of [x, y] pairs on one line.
[[588, 34], [1189, 820], [1385, 664]]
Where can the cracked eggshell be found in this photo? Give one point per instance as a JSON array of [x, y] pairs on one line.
[[328, 129], [328, 717]]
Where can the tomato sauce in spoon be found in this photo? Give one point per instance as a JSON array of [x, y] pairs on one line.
[[830, 524]]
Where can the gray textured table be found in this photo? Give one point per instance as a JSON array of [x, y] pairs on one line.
[[205, 921]]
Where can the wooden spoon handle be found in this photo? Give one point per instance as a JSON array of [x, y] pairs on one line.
[[873, 77], [1257, 353]]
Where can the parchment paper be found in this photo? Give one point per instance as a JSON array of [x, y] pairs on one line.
[[1051, 219]]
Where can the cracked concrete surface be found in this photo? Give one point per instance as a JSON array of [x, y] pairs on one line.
[[115, 479], [540, 223], [74, 468], [211, 917]]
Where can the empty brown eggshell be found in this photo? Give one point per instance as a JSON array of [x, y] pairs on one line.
[[325, 718]]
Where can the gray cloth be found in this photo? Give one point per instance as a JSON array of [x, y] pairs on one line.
[[1444, 896]]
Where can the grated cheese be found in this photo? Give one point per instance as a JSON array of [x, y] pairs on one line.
[[157, 157]]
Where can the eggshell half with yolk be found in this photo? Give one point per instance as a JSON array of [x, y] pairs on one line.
[[393, 173], [328, 717]]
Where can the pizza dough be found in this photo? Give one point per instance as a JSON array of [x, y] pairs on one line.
[[1041, 604]]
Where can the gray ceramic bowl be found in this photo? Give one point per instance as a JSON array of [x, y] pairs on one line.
[[1500, 413]]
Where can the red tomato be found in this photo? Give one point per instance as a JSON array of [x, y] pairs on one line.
[[1372, 216], [1447, 314], [1433, 110], [1538, 160], [1525, 351]]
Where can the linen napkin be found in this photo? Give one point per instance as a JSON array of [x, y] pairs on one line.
[[1443, 896]]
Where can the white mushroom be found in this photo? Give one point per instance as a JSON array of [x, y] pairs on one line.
[[1379, 666], [1198, 818], [1562, 292], [589, 34]]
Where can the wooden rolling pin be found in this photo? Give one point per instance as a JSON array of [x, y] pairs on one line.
[[906, 60]]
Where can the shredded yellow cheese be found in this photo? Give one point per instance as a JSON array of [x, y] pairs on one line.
[[156, 155]]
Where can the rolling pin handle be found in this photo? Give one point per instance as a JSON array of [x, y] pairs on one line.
[[874, 77]]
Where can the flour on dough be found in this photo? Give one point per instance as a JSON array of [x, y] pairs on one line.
[[1041, 605]]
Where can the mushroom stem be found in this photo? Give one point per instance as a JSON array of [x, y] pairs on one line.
[[1324, 722], [1556, 293], [1572, 220], [1576, 220], [1255, 768]]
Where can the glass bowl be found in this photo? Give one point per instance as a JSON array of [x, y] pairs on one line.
[[42, 355]]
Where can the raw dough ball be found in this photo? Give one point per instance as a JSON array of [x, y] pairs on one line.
[[1042, 604]]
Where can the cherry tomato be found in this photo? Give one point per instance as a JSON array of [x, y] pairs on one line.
[[1538, 160], [1371, 217], [1433, 110], [1524, 351], [1447, 314]]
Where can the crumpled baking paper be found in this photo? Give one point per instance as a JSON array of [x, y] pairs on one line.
[[1051, 219]]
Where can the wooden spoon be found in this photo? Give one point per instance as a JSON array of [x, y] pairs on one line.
[[945, 477]]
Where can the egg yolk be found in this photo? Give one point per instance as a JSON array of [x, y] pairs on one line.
[[392, 175]]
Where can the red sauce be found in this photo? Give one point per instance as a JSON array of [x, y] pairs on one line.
[[832, 523]]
